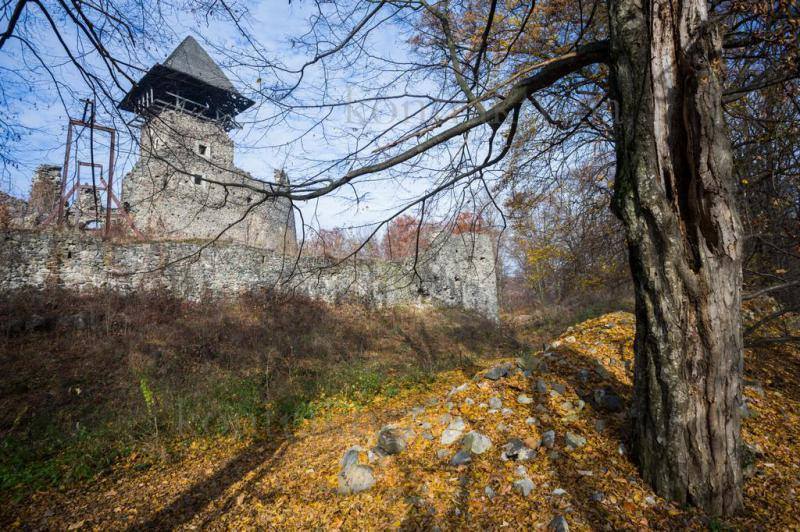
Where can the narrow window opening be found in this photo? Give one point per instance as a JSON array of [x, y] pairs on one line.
[[198, 179], [204, 150]]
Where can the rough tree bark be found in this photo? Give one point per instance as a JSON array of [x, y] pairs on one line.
[[675, 198]]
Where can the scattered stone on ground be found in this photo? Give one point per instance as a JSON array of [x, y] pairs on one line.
[[495, 403], [500, 371], [573, 440], [558, 524], [460, 458], [453, 431], [516, 450], [524, 399], [394, 440], [355, 478], [549, 439], [424, 485], [475, 443], [523, 486]]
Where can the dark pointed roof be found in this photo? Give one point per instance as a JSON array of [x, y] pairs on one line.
[[190, 73], [190, 58]]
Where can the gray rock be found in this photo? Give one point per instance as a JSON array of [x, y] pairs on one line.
[[600, 425], [583, 375], [425, 425], [461, 458], [393, 440], [475, 443], [558, 492], [558, 524], [523, 486], [445, 419], [516, 449], [495, 403], [531, 421], [469, 401], [461, 388], [453, 431], [606, 399], [549, 439], [597, 496], [507, 411], [541, 386], [489, 492], [574, 441], [355, 478], [441, 454], [524, 399], [428, 435], [521, 471], [500, 371], [350, 457], [559, 388]]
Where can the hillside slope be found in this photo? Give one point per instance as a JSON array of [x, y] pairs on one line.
[[581, 471]]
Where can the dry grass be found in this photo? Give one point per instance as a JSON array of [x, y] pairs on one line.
[[93, 378]]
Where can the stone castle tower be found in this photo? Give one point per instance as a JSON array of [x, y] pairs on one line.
[[185, 185]]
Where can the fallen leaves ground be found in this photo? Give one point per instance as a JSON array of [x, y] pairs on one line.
[[288, 482]]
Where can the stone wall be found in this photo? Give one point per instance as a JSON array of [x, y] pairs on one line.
[[180, 188], [458, 271]]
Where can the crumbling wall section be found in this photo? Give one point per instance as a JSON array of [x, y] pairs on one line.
[[459, 271]]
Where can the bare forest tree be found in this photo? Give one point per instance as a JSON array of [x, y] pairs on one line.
[[526, 96]]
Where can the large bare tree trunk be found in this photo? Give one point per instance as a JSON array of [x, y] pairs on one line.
[[674, 195]]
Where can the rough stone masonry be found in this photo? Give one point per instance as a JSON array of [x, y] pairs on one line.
[[458, 271], [185, 192]]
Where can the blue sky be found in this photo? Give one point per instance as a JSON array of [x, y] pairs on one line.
[[260, 149]]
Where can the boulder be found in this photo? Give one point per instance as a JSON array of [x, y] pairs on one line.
[[355, 478]]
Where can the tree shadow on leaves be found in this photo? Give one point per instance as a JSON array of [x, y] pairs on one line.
[[259, 456]]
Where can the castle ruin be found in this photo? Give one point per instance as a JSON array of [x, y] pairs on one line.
[[185, 192]]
